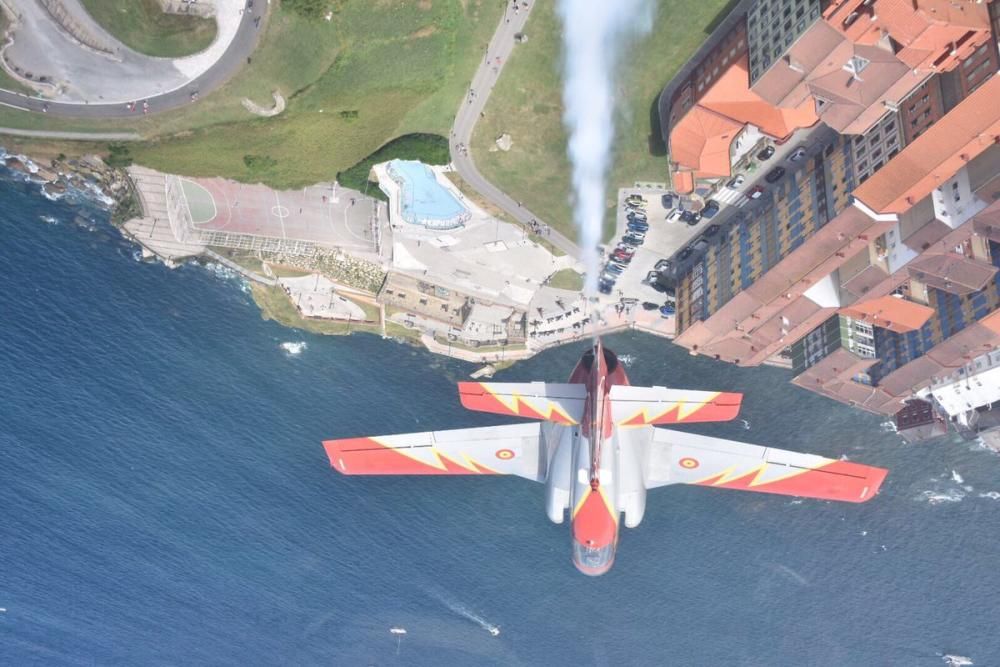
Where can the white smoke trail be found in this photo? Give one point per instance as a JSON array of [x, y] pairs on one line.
[[593, 39]]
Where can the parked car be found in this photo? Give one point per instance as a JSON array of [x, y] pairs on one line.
[[675, 215], [649, 305], [638, 229], [623, 249], [798, 154], [688, 218], [775, 175], [711, 208], [663, 265], [757, 192], [624, 260], [736, 182], [636, 220], [667, 200], [711, 230], [636, 234], [666, 310], [634, 239], [765, 153], [604, 286]]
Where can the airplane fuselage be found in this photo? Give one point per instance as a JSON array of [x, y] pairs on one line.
[[588, 472]]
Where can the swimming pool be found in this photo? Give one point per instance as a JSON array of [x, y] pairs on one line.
[[424, 201]]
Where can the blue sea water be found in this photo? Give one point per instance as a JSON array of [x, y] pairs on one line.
[[165, 500]]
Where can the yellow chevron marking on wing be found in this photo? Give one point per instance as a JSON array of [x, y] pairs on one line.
[[725, 479], [513, 403], [708, 478], [687, 408], [467, 465], [729, 474], [557, 407], [479, 467]]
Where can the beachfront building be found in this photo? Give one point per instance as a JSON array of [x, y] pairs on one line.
[[890, 284]]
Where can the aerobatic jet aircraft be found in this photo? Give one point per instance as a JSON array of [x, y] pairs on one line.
[[594, 446]]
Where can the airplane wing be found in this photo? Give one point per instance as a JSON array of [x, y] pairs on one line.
[[559, 403], [493, 450], [674, 457], [641, 406]]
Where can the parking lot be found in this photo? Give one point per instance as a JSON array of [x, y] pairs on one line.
[[663, 240]]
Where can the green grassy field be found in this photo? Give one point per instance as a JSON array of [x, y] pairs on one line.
[[376, 71], [527, 104], [275, 305], [566, 279], [142, 26]]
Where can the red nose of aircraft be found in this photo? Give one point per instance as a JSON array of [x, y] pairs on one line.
[[595, 533]]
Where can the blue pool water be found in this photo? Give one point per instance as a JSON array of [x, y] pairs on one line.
[[165, 500], [424, 200]]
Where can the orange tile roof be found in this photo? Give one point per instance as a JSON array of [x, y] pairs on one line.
[[992, 322], [927, 30], [934, 157], [731, 96], [890, 312], [701, 139], [683, 182]]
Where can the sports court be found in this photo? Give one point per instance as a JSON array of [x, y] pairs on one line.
[[318, 214]]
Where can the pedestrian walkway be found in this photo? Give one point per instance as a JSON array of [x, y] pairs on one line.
[[497, 53]]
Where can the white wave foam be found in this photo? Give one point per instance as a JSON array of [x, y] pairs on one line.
[[225, 273], [955, 477], [627, 360], [992, 495], [939, 497], [294, 349], [48, 219], [888, 427], [467, 613]]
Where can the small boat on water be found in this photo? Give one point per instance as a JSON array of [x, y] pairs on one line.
[[397, 630]]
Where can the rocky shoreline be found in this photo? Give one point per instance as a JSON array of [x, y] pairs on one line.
[[88, 175]]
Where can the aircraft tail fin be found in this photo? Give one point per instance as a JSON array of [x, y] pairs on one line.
[[559, 403], [643, 406]]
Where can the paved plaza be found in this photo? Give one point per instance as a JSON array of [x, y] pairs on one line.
[[325, 214]]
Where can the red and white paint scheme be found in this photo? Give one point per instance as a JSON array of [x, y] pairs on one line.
[[595, 448]]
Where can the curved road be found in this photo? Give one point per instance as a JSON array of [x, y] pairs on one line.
[[501, 46], [225, 68]]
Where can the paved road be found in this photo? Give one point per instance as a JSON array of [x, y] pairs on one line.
[[235, 57], [501, 46]]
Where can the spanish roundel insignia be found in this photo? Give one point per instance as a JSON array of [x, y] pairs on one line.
[[505, 454], [689, 463]]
